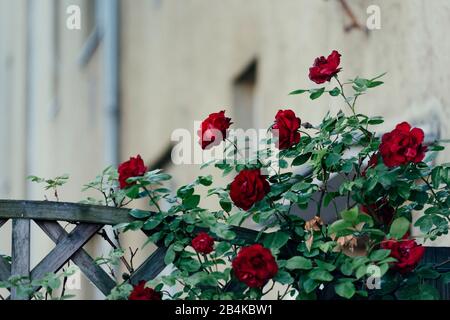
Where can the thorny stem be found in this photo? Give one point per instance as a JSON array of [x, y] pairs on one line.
[[105, 236], [432, 191], [285, 293], [344, 96], [270, 289], [132, 255], [63, 290], [235, 147], [152, 199]]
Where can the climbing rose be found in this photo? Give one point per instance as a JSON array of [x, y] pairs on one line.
[[324, 69], [132, 168], [254, 265], [140, 292], [373, 162], [248, 187], [287, 125], [213, 129], [402, 145], [381, 211], [203, 243], [407, 252]]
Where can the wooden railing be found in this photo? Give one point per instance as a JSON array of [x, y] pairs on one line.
[[90, 219]]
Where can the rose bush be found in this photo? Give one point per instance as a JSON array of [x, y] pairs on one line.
[[384, 181]]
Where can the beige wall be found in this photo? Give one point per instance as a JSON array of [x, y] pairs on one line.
[[178, 60]]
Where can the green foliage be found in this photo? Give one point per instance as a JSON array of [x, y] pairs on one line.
[[314, 259]]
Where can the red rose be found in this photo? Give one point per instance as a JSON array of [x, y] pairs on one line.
[[213, 129], [248, 187], [140, 292], [254, 265], [203, 243], [287, 125], [324, 69], [402, 145], [132, 168], [381, 211], [407, 252]]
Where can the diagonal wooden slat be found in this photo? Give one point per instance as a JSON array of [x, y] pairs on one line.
[[81, 258], [65, 248], [151, 267], [5, 269]]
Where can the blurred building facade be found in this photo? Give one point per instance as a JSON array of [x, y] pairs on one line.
[[75, 101]]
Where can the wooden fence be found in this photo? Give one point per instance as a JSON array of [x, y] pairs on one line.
[[90, 219]]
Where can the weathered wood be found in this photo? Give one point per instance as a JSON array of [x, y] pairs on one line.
[[20, 254], [81, 258], [63, 211], [436, 256], [65, 248], [5, 269], [75, 212], [151, 267]]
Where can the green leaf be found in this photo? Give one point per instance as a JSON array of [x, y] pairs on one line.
[[335, 92], [320, 275], [237, 218], [132, 192], [346, 268], [283, 277], [436, 177], [185, 191], [139, 214], [202, 279], [298, 263], [152, 223], [222, 247], [170, 256], [316, 93], [309, 285], [301, 159], [223, 231], [325, 265], [417, 291], [275, 240], [332, 159], [425, 223], [345, 289], [339, 226], [399, 227], [191, 202], [189, 265], [350, 215], [205, 180], [225, 205], [375, 120], [299, 91], [428, 273], [361, 271], [378, 255], [373, 84]]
